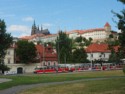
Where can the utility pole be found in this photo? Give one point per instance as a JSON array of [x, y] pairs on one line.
[[43, 53], [58, 53]]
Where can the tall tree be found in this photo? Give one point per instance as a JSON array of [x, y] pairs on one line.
[[79, 56], [63, 47], [121, 26], [5, 42], [26, 51], [114, 57]]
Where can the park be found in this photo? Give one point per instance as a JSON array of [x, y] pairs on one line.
[[91, 82], [78, 56]]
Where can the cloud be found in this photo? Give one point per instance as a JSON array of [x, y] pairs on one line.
[[47, 25], [28, 19], [23, 34], [21, 28]]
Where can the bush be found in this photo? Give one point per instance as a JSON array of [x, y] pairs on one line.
[[4, 68]]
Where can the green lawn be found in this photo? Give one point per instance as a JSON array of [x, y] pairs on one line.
[[45, 78], [109, 86]]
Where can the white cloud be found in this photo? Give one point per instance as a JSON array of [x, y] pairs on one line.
[[28, 19], [21, 28], [46, 25], [23, 34]]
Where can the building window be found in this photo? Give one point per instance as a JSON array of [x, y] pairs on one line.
[[104, 55], [54, 63], [48, 63], [49, 49], [8, 52], [91, 55], [8, 60], [44, 63]]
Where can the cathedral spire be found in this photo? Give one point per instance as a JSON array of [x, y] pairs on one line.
[[33, 31], [34, 24], [41, 27], [38, 27]]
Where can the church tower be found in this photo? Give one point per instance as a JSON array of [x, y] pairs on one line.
[[107, 27], [34, 29]]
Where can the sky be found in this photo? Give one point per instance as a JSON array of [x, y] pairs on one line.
[[55, 15]]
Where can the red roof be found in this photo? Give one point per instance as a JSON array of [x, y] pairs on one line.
[[116, 48], [97, 48], [31, 37], [40, 48], [46, 53], [107, 24], [100, 48], [86, 31]]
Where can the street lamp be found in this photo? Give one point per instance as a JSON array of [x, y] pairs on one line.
[[91, 59], [58, 54], [91, 55], [43, 53]]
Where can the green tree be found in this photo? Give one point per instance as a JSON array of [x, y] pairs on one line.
[[121, 26], [114, 57], [26, 52], [79, 39], [123, 1], [5, 42], [79, 56], [82, 41], [63, 47]]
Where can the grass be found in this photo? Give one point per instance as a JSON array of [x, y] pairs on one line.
[[46, 78], [109, 86]]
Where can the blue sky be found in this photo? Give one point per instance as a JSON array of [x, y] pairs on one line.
[[57, 14]]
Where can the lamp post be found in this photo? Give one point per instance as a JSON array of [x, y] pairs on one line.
[[43, 53], [91, 59], [58, 53], [91, 55], [42, 63]]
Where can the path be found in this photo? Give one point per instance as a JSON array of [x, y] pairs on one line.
[[4, 80], [17, 89]]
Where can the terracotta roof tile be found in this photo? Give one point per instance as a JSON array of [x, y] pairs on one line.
[[32, 36], [97, 48], [107, 24], [43, 52], [86, 31], [100, 48]]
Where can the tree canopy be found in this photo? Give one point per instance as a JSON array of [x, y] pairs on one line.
[[5, 39], [121, 26], [26, 52], [63, 47], [79, 56], [5, 42], [82, 41]]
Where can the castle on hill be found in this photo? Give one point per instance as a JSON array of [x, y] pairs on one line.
[[36, 30]]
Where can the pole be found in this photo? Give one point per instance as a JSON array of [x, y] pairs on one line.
[[58, 53], [91, 60], [91, 57], [65, 59], [43, 53]]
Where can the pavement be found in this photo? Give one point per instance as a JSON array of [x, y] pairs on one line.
[[4, 80], [17, 89]]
